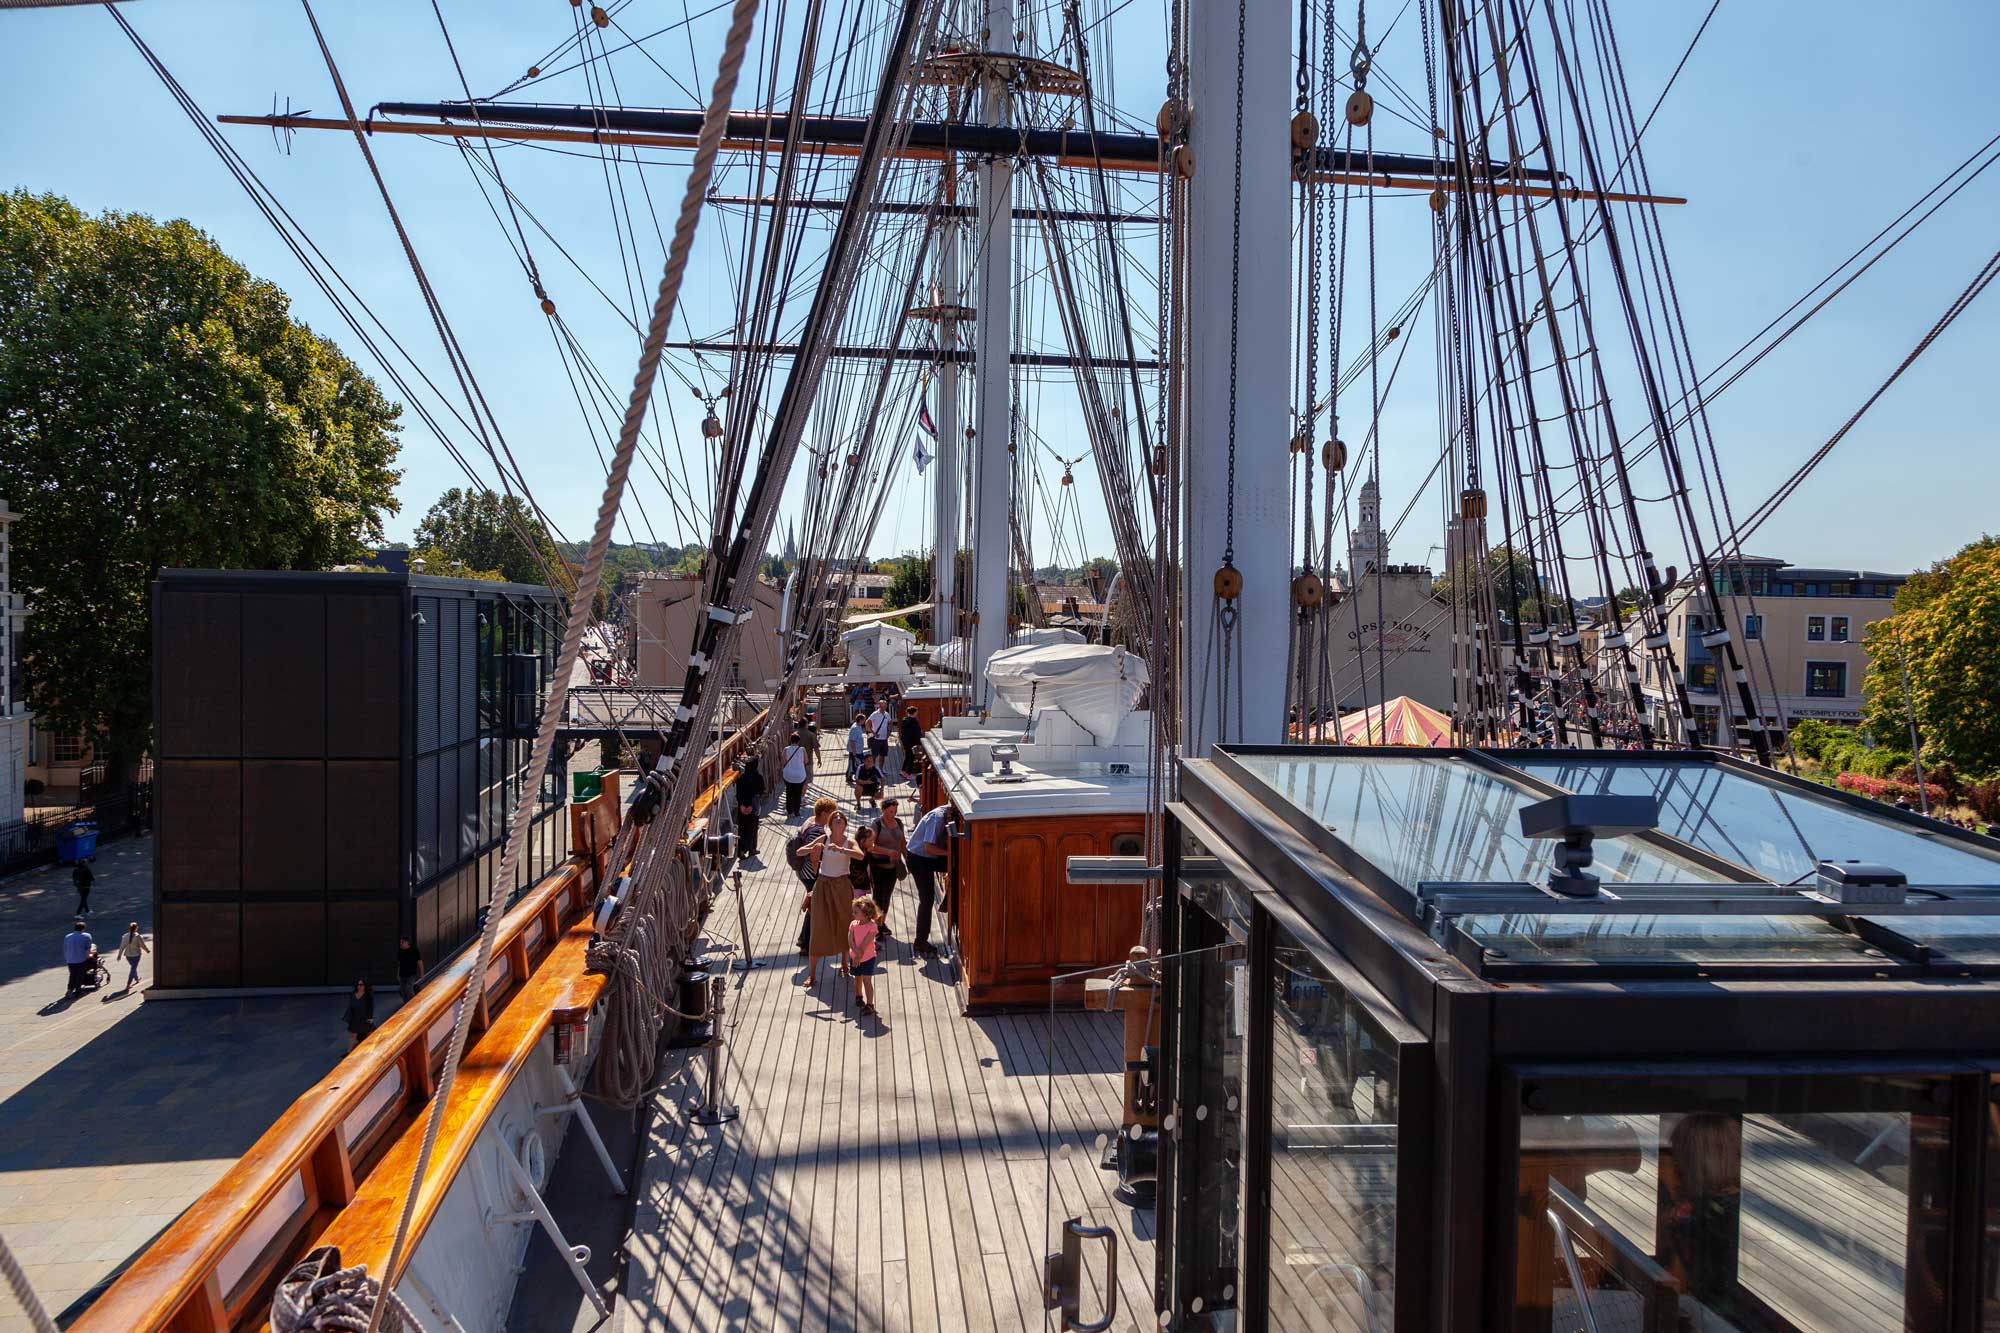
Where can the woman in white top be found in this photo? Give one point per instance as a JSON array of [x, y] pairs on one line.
[[798, 767], [831, 904]]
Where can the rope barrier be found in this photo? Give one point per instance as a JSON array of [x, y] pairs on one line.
[[24, 1291]]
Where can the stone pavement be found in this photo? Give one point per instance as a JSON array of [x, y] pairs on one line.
[[116, 1112]]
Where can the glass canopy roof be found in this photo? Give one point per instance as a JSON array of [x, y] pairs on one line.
[[1422, 819], [1728, 887], [1778, 832]]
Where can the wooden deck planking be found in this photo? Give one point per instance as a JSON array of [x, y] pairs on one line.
[[884, 1173]]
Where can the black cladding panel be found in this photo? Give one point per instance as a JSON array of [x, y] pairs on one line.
[[198, 659], [284, 675], [364, 672]]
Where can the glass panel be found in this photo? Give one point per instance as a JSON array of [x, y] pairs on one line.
[[1769, 1203], [1333, 1152], [1527, 938], [1423, 819], [1777, 832]]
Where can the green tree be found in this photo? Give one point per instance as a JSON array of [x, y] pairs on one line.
[[159, 407], [482, 529], [1513, 576], [1948, 637], [438, 563]]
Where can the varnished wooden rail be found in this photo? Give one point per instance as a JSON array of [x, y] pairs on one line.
[[334, 1167]]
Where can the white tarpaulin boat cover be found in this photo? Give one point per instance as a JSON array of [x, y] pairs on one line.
[[951, 656], [878, 652], [1095, 685]]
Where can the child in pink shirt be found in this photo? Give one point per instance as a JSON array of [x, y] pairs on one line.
[[861, 962]]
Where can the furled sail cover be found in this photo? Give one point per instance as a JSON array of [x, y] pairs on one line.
[[1095, 685], [951, 656]]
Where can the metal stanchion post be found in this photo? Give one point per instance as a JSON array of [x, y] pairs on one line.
[[742, 923], [712, 1111]]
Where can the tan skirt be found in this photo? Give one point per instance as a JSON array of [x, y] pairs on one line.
[[832, 913]]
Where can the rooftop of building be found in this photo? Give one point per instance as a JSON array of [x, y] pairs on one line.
[[280, 579]]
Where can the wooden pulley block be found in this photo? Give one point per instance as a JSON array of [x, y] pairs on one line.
[[599, 17], [1360, 107], [1333, 455], [1308, 590], [1183, 162], [1069, 478], [1472, 503], [854, 460], [1299, 443], [1305, 131], [1172, 118], [548, 306], [1395, 332], [1229, 583], [534, 71], [711, 427], [1437, 201]]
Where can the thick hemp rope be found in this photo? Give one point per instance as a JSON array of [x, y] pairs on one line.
[[700, 171]]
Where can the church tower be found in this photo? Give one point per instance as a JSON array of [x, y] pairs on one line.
[[1366, 551]]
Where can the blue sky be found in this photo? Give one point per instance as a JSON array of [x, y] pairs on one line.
[[1796, 133]]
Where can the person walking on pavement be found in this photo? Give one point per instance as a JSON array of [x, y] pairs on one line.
[[806, 835], [910, 733], [83, 879], [132, 948], [749, 795], [409, 968], [360, 1016], [796, 771], [928, 854], [78, 949]]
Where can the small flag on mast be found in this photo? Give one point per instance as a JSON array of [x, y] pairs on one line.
[[922, 455]]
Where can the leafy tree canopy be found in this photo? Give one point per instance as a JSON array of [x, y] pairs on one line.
[[483, 529], [1513, 577], [438, 563], [159, 407], [1948, 635]]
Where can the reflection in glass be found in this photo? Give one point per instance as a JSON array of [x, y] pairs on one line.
[[1779, 833], [1521, 939], [1333, 1152], [1783, 1203], [1421, 819]]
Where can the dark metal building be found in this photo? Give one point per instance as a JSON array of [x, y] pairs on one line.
[[336, 756]]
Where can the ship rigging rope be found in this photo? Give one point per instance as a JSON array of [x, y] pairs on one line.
[[24, 1291], [709, 143]]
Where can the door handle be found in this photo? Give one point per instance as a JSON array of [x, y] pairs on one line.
[[1062, 1276]]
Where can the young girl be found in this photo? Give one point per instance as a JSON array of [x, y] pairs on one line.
[[861, 952], [867, 781]]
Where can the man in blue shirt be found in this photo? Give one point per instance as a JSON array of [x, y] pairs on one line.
[[78, 948], [928, 854]]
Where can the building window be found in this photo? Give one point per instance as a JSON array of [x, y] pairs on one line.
[[1826, 680], [1841, 590], [1813, 589], [1815, 628], [1701, 675], [1840, 629], [67, 747], [1753, 627]]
